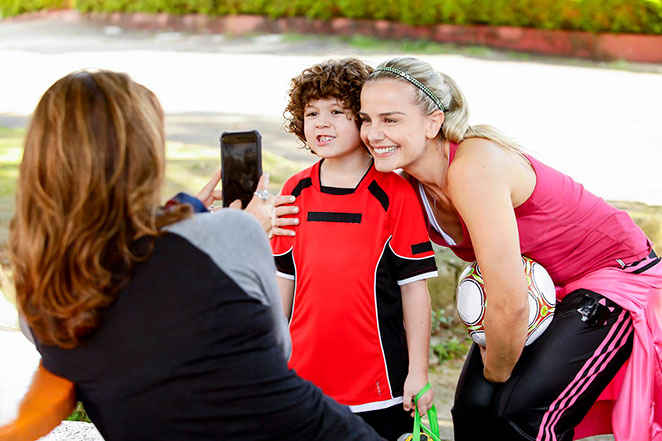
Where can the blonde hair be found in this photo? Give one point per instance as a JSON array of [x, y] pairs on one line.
[[88, 187], [456, 126]]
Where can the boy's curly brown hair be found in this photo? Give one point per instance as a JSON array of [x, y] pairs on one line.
[[341, 79]]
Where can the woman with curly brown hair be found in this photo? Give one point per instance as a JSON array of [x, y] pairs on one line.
[[168, 323], [354, 276]]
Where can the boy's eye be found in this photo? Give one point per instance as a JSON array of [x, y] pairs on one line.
[[389, 120], [365, 119], [338, 112], [311, 113]]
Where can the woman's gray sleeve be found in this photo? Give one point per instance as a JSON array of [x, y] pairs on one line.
[[238, 245]]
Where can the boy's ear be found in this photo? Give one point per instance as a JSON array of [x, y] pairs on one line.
[[435, 121]]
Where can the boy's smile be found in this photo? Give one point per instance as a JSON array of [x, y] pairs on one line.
[[324, 139]]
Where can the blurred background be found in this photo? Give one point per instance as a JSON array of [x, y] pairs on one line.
[[593, 116]]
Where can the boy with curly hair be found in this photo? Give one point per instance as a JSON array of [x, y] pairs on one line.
[[352, 273]]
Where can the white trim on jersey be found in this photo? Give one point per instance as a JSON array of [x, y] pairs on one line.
[[429, 275], [282, 254], [294, 293], [285, 275], [377, 405], [433, 220]]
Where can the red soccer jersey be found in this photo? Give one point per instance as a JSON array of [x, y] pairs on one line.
[[352, 250]]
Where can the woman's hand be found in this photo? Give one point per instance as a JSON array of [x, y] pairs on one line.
[[208, 195], [283, 207], [261, 207], [413, 385]]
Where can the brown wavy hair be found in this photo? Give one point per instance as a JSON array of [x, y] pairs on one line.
[[341, 79], [88, 187]]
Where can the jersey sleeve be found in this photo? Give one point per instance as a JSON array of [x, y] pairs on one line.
[[282, 246], [410, 243]]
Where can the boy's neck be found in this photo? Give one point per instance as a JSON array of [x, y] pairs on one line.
[[346, 171]]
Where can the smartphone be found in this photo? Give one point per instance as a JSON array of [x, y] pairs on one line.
[[241, 162]]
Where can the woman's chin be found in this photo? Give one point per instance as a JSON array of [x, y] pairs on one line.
[[384, 165]]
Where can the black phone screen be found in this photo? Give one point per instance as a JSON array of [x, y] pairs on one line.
[[241, 162]]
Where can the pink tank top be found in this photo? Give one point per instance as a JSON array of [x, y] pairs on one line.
[[567, 229]]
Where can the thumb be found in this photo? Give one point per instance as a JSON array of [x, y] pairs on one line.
[[407, 400]]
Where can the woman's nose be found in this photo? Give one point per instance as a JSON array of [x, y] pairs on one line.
[[373, 133]]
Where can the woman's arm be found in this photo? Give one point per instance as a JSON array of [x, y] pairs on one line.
[[417, 312], [482, 181]]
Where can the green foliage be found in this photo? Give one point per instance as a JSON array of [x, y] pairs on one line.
[[632, 16], [79, 414], [451, 348], [15, 7], [442, 319], [636, 16]]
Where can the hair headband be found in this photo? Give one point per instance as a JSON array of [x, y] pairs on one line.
[[415, 82]]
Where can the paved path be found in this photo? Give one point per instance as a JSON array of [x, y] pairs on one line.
[[601, 126]]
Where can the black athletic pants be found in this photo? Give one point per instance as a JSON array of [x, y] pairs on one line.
[[390, 423], [556, 380]]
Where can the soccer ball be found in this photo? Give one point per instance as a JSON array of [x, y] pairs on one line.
[[471, 300]]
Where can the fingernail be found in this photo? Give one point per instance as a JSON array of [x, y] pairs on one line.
[[295, 210], [292, 233], [296, 221], [292, 198]]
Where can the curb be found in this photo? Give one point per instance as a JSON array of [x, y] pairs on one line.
[[575, 44]]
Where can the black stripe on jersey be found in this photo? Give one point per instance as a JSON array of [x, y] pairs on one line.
[[336, 190], [390, 321], [430, 266], [379, 193], [421, 248], [304, 183], [330, 216], [285, 263]]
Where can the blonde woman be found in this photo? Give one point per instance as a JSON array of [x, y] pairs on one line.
[[486, 199], [169, 323]]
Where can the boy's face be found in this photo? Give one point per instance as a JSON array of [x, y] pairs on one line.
[[330, 129]]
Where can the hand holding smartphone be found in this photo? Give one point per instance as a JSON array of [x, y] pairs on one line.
[[241, 162]]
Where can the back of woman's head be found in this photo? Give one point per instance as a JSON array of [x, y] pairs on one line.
[[88, 186], [455, 107]]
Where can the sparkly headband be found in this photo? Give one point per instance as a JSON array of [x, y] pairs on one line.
[[415, 82]]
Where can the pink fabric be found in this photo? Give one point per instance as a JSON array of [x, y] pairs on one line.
[[637, 412], [565, 228]]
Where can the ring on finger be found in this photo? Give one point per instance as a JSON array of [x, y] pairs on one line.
[[263, 194]]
